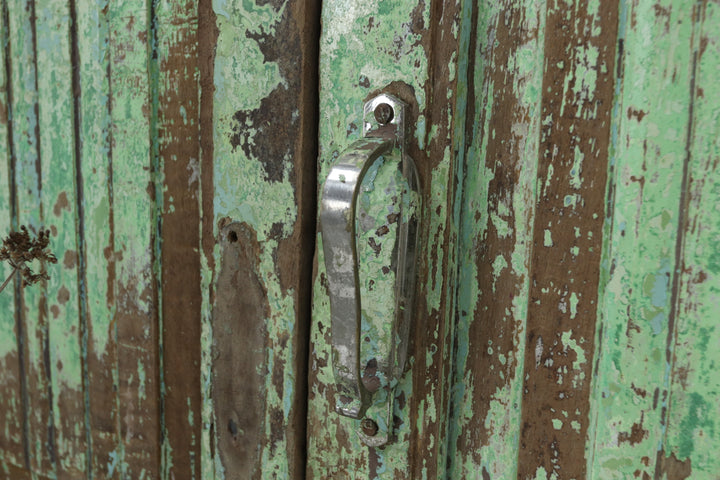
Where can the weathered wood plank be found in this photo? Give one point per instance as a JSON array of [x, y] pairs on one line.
[[135, 229], [264, 179], [30, 303], [58, 195], [650, 128], [691, 437], [97, 257], [179, 151], [499, 192], [418, 52], [12, 450], [577, 93], [207, 39]]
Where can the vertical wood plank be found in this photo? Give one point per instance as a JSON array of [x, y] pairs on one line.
[[30, 303], [499, 191], [135, 218], [207, 39], [578, 87], [264, 184], [646, 183], [417, 51], [179, 152], [56, 126], [97, 256], [691, 436], [12, 449]]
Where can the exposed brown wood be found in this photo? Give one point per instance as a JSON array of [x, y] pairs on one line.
[[280, 135], [567, 237], [179, 151], [490, 324], [432, 331], [239, 336]]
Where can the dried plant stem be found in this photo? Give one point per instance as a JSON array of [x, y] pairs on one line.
[[7, 280]]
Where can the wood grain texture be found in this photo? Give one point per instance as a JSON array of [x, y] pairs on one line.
[[416, 51], [498, 207], [207, 39], [12, 442], [264, 178], [567, 296], [57, 135], [97, 256], [179, 153], [578, 87], [643, 254], [135, 230], [691, 437], [30, 304]]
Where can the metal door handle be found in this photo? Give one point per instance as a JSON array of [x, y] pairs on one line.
[[344, 233]]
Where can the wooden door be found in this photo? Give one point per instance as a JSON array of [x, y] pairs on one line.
[[568, 278]]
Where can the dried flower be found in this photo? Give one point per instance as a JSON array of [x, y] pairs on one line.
[[19, 248]]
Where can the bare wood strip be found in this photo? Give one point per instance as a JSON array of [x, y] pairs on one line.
[[577, 98], [266, 139], [179, 152], [207, 40]]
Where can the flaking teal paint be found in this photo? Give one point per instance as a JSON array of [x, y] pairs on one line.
[[671, 53]]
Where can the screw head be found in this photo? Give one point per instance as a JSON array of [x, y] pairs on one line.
[[384, 113], [369, 427]]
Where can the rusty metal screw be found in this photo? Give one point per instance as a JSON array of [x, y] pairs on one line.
[[369, 427], [384, 113]]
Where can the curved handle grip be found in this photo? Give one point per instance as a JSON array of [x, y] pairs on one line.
[[371, 392], [338, 233]]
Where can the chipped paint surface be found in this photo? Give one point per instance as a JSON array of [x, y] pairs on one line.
[[496, 231], [657, 278], [80, 135], [365, 48], [263, 127], [568, 281]]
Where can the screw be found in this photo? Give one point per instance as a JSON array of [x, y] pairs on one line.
[[384, 113], [369, 427]]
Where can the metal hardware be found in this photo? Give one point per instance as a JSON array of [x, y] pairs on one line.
[[369, 427], [344, 224]]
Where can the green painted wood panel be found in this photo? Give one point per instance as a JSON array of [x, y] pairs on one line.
[[663, 152], [83, 139], [56, 125], [416, 51], [264, 136], [30, 306], [497, 216], [93, 160], [568, 156], [11, 441]]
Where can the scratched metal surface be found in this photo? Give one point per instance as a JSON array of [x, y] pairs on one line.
[[568, 285]]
